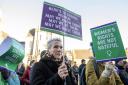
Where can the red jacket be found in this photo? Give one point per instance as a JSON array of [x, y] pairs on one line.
[[26, 76]]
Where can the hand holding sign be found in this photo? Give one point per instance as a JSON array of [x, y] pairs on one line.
[[109, 67]]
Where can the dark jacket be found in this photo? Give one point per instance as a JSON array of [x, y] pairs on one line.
[[123, 74], [80, 68], [45, 71], [83, 77], [21, 70]]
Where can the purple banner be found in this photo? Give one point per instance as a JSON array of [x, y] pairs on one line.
[[61, 21]]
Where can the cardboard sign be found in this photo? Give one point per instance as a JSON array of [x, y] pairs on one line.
[[107, 43]]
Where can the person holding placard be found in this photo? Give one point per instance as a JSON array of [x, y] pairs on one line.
[[51, 69], [107, 74]]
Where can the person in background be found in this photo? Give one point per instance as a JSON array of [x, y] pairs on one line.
[[43, 53], [107, 74], [51, 70], [20, 69], [122, 72], [69, 63], [126, 67], [81, 68], [75, 71], [25, 79]]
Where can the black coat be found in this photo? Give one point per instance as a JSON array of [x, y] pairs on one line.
[[123, 74], [80, 68], [45, 71]]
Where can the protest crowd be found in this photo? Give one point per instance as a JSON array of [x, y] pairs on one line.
[[53, 66], [52, 69]]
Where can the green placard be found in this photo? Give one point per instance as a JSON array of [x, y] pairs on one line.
[[11, 53], [107, 43]]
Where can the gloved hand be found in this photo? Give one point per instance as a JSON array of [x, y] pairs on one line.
[[109, 67], [5, 72]]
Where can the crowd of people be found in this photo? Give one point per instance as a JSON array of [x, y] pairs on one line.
[[55, 69]]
